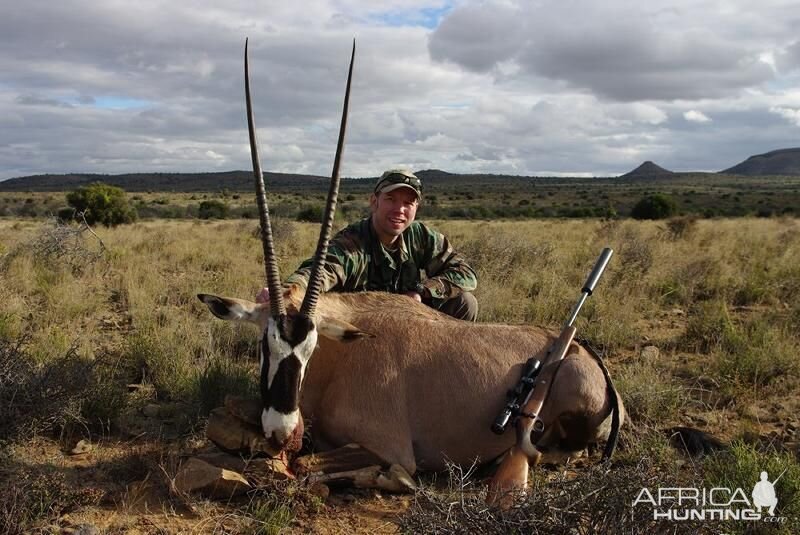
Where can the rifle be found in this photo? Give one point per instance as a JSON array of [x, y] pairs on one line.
[[525, 395]]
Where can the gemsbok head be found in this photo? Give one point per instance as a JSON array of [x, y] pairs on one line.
[[289, 334]]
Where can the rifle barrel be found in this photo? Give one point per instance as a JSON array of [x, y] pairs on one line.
[[591, 282]]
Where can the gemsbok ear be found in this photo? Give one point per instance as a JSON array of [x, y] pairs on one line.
[[342, 331], [228, 308]]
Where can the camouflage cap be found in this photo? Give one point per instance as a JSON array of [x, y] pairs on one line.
[[398, 178]]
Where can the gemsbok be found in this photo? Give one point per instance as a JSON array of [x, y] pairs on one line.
[[415, 387]]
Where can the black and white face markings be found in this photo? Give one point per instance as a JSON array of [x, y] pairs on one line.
[[286, 348]]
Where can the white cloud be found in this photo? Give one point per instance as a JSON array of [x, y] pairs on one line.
[[694, 116], [790, 114]]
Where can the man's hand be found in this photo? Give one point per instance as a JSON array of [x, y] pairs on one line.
[[415, 296], [263, 296]]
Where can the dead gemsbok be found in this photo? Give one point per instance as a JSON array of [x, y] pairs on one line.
[[413, 386]]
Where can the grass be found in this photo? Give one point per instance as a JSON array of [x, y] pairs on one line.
[[269, 516], [717, 297], [38, 495], [741, 467]]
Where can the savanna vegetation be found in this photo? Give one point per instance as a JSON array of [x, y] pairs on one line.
[[462, 197], [105, 341]]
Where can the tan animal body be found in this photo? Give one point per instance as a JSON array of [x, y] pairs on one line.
[[425, 389], [415, 387]]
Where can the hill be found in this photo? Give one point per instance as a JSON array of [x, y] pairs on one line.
[[242, 181], [776, 162], [184, 182], [648, 170]]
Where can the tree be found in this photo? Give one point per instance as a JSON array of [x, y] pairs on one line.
[[658, 206], [101, 203]]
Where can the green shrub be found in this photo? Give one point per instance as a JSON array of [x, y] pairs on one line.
[[756, 354], [709, 326], [312, 214], [658, 206], [651, 395], [212, 209], [220, 377], [66, 213], [101, 203]]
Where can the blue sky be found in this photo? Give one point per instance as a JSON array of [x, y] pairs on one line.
[[496, 86], [426, 17]]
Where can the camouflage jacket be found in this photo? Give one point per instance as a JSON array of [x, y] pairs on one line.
[[357, 261]]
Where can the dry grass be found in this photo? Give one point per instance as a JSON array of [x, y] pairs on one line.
[[718, 297]]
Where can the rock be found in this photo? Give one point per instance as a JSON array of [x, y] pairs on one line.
[[199, 476], [223, 460], [247, 410], [233, 435], [650, 352], [83, 446]]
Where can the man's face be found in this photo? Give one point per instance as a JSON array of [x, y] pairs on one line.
[[393, 212]]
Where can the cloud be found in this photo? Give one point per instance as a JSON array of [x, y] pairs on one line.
[[694, 116], [790, 114], [617, 50]]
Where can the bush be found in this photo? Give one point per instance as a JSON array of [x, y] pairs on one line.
[[212, 210], [312, 214], [46, 397], [101, 203], [66, 213], [658, 206]]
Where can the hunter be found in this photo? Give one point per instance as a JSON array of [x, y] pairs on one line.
[[391, 252]]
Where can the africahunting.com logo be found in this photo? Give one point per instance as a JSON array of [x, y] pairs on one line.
[[718, 503]]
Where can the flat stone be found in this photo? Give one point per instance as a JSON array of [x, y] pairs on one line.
[[247, 410], [223, 460], [235, 436], [199, 476]]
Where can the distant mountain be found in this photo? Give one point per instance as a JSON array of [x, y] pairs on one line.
[[648, 170], [242, 181], [188, 182], [777, 162]]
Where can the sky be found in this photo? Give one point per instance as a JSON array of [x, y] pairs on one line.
[[534, 87]]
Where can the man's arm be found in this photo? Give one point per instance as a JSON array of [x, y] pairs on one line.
[[333, 271], [448, 272]]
